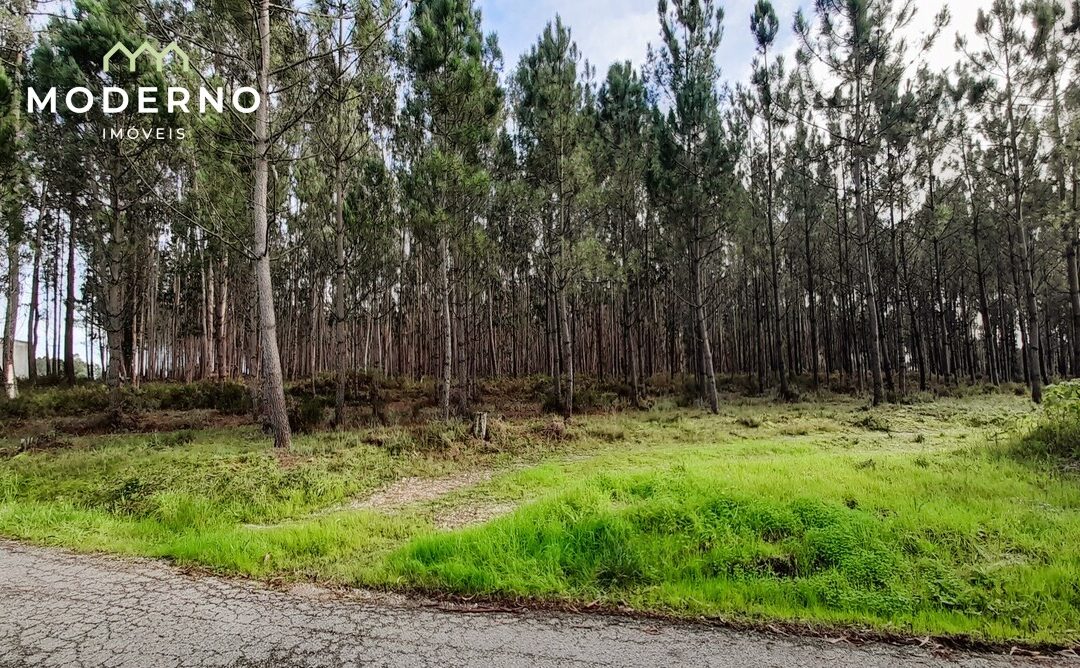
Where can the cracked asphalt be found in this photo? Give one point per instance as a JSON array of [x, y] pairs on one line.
[[62, 609]]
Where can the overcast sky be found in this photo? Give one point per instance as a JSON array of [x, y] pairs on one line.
[[608, 31]]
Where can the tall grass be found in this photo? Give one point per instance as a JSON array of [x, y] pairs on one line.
[[963, 543]]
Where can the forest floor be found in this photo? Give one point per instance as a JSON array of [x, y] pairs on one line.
[[825, 516]]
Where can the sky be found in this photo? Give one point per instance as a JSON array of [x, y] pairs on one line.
[[609, 31]]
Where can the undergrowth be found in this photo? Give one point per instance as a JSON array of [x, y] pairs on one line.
[[1056, 435]]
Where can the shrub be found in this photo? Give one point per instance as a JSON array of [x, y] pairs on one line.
[[593, 397], [87, 398], [440, 436], [233, 398], [226, 396], [1057, 434], [872, 422], [53, 401], [15, 409], [171, 439], [306, 416], [398, 441], [76, 400], [551, 403], [555, 430], [1062, 400]]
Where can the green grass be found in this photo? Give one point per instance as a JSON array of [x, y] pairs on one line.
[[916, 519]]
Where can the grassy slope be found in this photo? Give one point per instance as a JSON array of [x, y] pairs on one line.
[[901, 519]]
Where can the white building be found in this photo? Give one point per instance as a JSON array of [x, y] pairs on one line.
[[21, 368]]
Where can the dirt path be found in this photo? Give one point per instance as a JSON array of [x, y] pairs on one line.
[[414, 491], [60, 609], [409, 491], [417, 491]]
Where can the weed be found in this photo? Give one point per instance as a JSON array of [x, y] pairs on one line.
[[1057, 433], [174, 439], [307, 415], [555, 429], [873, 422], [441, 436]]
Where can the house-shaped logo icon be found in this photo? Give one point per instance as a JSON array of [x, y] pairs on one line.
[[145, 48]]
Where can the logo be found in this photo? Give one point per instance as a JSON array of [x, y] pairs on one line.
[[112, 100], [147, 48]]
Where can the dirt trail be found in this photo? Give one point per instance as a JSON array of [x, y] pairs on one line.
[[415, 491], [61, 609], [409, 491]]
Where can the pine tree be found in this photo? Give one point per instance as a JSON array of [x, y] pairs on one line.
[[553, 133], [694, 179], [623, 117], [455, 106], [768, 80]]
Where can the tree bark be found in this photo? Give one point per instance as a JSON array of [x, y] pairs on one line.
[[707, 370], [11, 389], [869, 298], [778, 342], [340, 343], [35, 286], [444, 313], [1032, 348], [69, 308], [114, 295], [274, 382], [219, 319], [567, 354]]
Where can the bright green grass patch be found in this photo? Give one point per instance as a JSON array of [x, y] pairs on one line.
[[963, 541]]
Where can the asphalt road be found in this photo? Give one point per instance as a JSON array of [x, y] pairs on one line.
[[61, 609]]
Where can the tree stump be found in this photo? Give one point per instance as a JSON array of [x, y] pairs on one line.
[[480, 425]]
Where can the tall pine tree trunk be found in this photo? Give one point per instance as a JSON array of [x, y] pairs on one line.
[[1032, 355], [14, 240], [869, 292], [10, 386], [114, 295], [340, 343], [1071, 262], [219, 319], [447, 367], [35, 287], [566, 352], [274, 382], [811, 299], [707, 371], [69, 308], [781, 367], [984, 303]]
